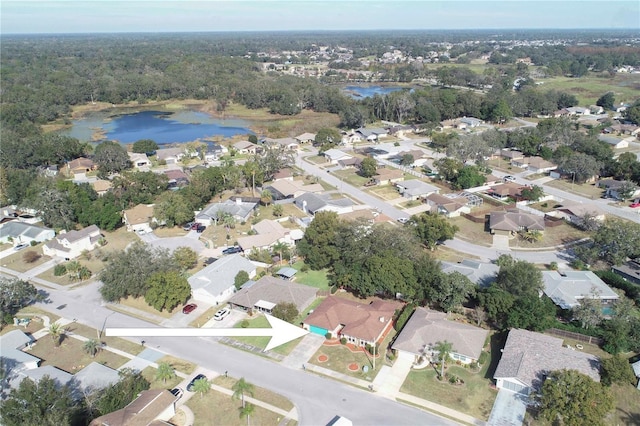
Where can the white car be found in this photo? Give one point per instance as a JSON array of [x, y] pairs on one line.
[[510, 178], [20, 246], [222, 314], [403, 220]]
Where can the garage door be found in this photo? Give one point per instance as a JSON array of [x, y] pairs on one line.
[[318, 330]]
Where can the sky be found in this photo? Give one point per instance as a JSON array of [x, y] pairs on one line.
[[115, 16]]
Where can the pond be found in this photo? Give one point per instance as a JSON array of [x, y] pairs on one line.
[[358, 92], [159, 126]]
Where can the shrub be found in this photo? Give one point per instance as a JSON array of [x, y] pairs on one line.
[[304, 268], [404, 316], [33, 243], [544, 205], [59, 270], [483, 358], [30, 256], [553, 266], [343, 341], [474, 365], [328, 335], [453, 379], [616, 370], [244, 323]]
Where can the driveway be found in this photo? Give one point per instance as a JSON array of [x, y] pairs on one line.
[[508, 409], [171, 243]]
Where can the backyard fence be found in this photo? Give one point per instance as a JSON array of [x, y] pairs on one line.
[[576, 336]]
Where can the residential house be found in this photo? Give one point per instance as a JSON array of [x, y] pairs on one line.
[[480, 273], [306, 138], [7, 214], [578, 111], [81, 165], [177, 178], [415, 189], [96, 376], [151, 407], [512, 221], [616, 142], [505, 191], [334, 155], [372, 134], [350, 163], [246, 147], [575, 213], [282, 189], [69, 245], [629, 270], [416, 156], [426, 328], [283, 174], [214, 152], [447, 206], [613, 188], [286, 143], [624, 129], [528, 357], [351, 137], [567, 288], [24, 233], [169, 155], [636, 370], [596, 109], [59, 377], [491, 180], [360, 323], [216, 283], [139, 160], [534, 164], [101, 186], [12, 357], [311, 203], [471, 121], [510, 154], [267, 233], [268, 291], [239, 209], [400, 130], [366, 214], [139, 218], [387, 176]]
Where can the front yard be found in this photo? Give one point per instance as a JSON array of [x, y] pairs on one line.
[[260, 321], [588, 190], [351, 177], [317, 279]]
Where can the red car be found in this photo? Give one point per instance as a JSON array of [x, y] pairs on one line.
[[189, 308], [635, 205]]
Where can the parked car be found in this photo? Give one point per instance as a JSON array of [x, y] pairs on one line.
[[222, 314], [20, 246], [403, 220], [200, 229], [634, 205], [189, 308], [509, 178], [192, 382], [187, 226], [232, 250], [177, 392], [194, 226]]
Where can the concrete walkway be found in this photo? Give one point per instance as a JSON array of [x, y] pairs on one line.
[[309, 345]]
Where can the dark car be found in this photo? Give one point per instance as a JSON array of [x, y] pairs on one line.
[[192, 382], [232, 250], [189, 308], [195, 226], [200, 229]]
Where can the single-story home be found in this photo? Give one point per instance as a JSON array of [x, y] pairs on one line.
[[415, 189], [268, 233], [372, 134], [351, 137], [629, 270], [21, 232], [311, 203], [81, 165], [245, 147], [14, 359], [334, 155], [449, 207], [615, 142], [139, 160], [575, 213], [283, 174], [72, 244], [578, 111], [612, 188], [287, 143], [101, 186], [567, 288], [152, 407], [483, 274], [239, 209], [528, 357], [139, 218], [512, 221], [283, 188], [169, 155], [534, 164], [505, 190], [177, 178], [385, 176], [264, 294], [350, 163], [426, 328], [306, 138], [360, 323], [216, 283], [511, 154], [636, 370], [415, 154], [624, 129]]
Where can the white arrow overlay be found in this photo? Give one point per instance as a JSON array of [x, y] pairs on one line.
[[280, 332]]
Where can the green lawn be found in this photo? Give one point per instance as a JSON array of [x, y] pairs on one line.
[[258, 393], [149, 373], [589, 88], [180, 365], [114, 342], [312, 278], [588, 190], [16, 261], [351, 177]]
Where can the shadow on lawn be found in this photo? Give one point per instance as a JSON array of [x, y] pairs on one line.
[[496, 344]]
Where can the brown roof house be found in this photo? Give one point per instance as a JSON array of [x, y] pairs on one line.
[[151, 407], [426, 328], [503, 191], [450, 207], [69, 245], [267, 233], [101, 186], [264, 294], [139, 218], [81, 165], [528, 357], [386, 176], [512, 221], [359, 322]]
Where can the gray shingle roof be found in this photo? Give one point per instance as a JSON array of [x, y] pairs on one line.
[[417, 187], [528, 356], [220, 275], [96, 376], [275, 290], [567, 289], [238, 209], [426, 327], [15, 229], [478, 272], [11, 343]]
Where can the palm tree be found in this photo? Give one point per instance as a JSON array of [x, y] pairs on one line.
[[240, 388], [444, 349], [91, 347], [164, 372], [266, 197], [279, 248], [201, 386], [247, 411], [56, 331]]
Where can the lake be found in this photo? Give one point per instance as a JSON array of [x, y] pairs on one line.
[[159, 126], [358, 92]]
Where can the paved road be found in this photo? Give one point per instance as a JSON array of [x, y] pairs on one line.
[[317, 399]]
